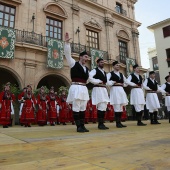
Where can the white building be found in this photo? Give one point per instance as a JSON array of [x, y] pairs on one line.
[[153, 62], [162, 38]]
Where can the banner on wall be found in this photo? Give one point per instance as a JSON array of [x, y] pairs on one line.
[[95, 55], [55, 54], [7, 42], [129, 65]]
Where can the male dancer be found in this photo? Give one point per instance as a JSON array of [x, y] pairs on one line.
[[118, 96], [78, 94], [166, 89], [137, 96], [152, 102], [100, 96]]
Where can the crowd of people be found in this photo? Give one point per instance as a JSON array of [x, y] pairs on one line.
[[78, 108]]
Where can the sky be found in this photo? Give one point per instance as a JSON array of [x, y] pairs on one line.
[[149, 12]]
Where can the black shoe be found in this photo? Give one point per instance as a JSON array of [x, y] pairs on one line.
[[52, 124], [105, 127], [101, 127], [153, 122], [156, 122], [79, 129], [64, 123], [5, 126], [58, 123], [84, 128], [118, 125], [29, 125], [141, 124], [123, 125], [25, 125]]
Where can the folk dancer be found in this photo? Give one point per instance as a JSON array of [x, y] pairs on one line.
[[100, 96], [118, 96], [42, 107], [137, 95], [52, 108], [152, 102], [6, 99], [166, 89], [78, 94], [27, 115]]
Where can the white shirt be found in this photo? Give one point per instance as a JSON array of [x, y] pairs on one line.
[[146, 82], [71, 62], [126, 81], [130, 77], [92, 74], [163, 87]]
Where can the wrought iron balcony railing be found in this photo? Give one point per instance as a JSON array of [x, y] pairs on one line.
[[121, 11], [40, 40]]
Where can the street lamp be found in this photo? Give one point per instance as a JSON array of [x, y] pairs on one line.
[[33, 18], [77, 32]]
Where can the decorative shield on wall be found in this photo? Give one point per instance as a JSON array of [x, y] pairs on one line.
[[7, 42], [95, 55], [129, 65], [55, 53]]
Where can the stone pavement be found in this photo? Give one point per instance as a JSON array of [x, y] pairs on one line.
[[61, 148]]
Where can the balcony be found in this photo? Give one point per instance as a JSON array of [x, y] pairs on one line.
[[120, 10], [40, 40]]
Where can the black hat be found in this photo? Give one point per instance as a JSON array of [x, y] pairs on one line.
[[151, 72], [100, 59], [136, 65], [83, 53], [114, 63], [166, 77]]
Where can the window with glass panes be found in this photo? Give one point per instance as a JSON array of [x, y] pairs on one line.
[[7, 16], [123, 51], [92, 39], [54, 28]]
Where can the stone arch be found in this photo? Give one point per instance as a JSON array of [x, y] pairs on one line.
[[7, 74], [56, 10], [123, 34], [52, 79]]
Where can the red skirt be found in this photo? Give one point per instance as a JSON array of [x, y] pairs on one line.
[[52, 112], [42, 114], [27, 115], [5, 113]]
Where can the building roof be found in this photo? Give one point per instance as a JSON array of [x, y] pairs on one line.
[[152, 27]]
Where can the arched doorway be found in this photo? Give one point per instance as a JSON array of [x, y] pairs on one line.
[[53, 80], [8, 76]]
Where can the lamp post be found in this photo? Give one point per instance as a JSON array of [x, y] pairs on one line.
[[77, 32], [33, 18]]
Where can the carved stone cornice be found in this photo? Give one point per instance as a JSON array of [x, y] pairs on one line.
[[93, 24], [12, 2], [56, 9], [109, 21], [30, 65], [75, 9]]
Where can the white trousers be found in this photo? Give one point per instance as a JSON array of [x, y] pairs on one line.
[[102, 106], [168, 108], [118, 107], [79, 105], [153, 110], [139, 107]]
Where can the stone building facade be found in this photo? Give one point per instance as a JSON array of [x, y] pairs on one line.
[[108, 25]]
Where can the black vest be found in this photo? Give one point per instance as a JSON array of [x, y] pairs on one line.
[[116, 78], [99, 75], [167, 89], [151, 85], [77, 72], [136, 80]]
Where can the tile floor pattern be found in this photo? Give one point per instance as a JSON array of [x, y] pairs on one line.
[[61, 148]]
